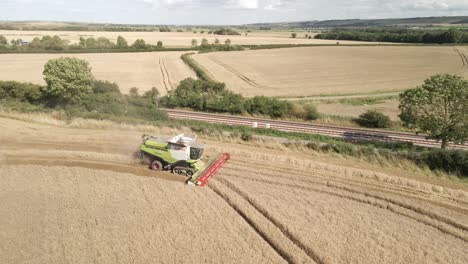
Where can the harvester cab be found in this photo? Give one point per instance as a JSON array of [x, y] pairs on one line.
[[180, 155]]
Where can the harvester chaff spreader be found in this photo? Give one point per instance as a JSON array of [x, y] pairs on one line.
[[180, 155]]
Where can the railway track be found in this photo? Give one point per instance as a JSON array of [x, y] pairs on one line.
[[351, 134]]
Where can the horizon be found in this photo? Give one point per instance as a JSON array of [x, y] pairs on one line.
[[254, 23], [222, 12]]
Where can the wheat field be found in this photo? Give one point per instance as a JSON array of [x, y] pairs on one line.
[[72, 192], [163, 70], [298, 72]]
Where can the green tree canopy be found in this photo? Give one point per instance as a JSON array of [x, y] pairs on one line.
[[68, 79], [3, 40], [439, 108], [121, 42], [194, 43], [139, 44]]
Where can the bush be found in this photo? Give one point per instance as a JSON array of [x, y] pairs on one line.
[[226, 31], [311, 112], [374, 119], [105, 87], [267, 106], [22, 92], [246, 136], [453, 161]]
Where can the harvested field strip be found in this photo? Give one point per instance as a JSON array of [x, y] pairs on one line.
[[358, 181], [438, 222], [284, 230], [136, 169]]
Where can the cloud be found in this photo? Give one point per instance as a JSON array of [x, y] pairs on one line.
[[248, 4]]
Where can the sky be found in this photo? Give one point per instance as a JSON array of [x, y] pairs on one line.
[[219, 12]]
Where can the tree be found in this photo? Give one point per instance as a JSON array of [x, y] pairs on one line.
[[68, 79], [104, 43], [3, 40], [133, 92], [194, 43], [374, 119], [204, 42], [82, 42], [227, 42], [293, 35], [438, 107], [122, 42], [160, 44], [91, 43], [139, 44], [217, 41]]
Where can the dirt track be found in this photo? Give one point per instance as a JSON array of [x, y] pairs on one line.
[[77, 196]]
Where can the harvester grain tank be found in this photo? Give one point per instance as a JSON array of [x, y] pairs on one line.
[[180, 155]]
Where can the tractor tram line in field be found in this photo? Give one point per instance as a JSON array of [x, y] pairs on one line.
[[352, 134], [358, 194]]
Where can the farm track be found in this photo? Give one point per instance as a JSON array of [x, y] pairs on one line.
[[463, 57], [237, 73], [441, 223], [165, 75], [347, 133]]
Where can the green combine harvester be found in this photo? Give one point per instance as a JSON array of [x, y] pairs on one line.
[[180, 155]]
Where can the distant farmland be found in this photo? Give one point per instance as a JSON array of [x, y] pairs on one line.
[[178, 39], [163, 70], [331, 70]]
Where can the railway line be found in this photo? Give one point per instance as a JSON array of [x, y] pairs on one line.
[[347, 133]]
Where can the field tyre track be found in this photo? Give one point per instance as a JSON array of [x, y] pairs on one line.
[[383, 203], [163, 74], [309, 251], [277, 248]]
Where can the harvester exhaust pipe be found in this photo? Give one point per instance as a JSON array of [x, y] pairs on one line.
[[201, 177]]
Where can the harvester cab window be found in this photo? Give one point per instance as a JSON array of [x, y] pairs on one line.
[[195, 153]]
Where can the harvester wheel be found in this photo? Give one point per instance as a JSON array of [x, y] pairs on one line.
[[156, 165], [177, 170], [189, 173]]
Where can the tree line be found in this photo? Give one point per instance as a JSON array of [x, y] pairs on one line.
[[451, 35], [55, 43]]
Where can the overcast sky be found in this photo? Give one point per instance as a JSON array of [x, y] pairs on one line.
[[222, 11]]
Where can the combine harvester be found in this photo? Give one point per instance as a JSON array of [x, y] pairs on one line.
[[180, 155]]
